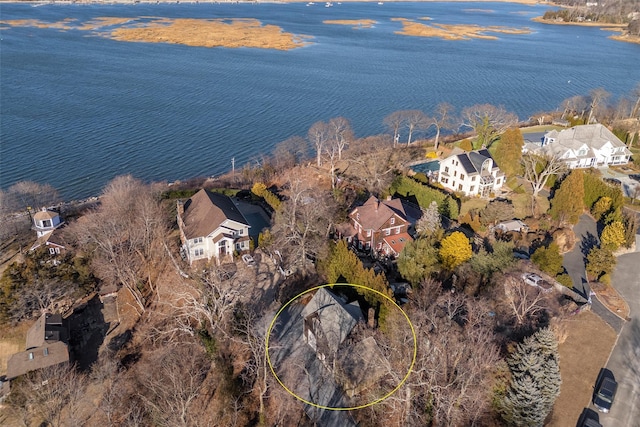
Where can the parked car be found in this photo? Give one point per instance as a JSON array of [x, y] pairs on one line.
[[589, 418], [635, 177], [605, 391], [248, 259], [532, 279], [613, 181]]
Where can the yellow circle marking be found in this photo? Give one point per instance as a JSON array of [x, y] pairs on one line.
[[331, 408]]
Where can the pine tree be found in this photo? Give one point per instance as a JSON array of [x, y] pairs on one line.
[[568, 202], [535, 380]]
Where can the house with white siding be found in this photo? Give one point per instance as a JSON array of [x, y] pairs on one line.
[[582, 146], [211, 226], [472, 173]]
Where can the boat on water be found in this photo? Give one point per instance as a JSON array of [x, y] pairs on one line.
[[328, 4], [310, 3]]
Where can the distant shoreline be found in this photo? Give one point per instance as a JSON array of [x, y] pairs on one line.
[[106, 2]]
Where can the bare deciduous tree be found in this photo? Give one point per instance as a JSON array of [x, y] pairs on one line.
[[290, 152], [318, 136], [537, 171], [340, 134], [598, 97], [416, 120], [126, 233], [171, 382], [394, 122], [300, 228], [488, 122], [29, 194], [523, 300], [442, 120]]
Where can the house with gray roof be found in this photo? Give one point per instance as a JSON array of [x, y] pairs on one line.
[[46, 346], [473, 173], [582, 146], [328, 320], [211, 226]]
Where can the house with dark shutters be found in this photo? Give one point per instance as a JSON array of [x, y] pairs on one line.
[[473, 173]]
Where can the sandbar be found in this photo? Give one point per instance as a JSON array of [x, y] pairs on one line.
[[454, 31], [231, 33], [355, 23]]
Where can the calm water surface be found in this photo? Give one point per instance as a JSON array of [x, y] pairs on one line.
[[78, 110]]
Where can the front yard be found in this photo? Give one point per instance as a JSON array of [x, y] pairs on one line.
[[584, 348]]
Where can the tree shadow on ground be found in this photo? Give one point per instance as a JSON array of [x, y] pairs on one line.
[[588, 242], [87, 330]]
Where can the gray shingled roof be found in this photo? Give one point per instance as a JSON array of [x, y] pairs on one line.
[[473, 160], [337, 318], [205, 211]]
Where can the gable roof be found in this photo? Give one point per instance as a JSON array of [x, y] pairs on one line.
[[397, 241], [375, 213], [37, 358], [205, 211], [594, 136], [48, 328], [472, 161], [336, 318]]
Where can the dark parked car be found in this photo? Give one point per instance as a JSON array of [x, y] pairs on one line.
[[606, 388], [589, 418]]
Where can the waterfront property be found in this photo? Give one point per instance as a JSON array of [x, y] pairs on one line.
[[46, 223], [473, 173], [382, 225], [211, 226], [582, 146], [46, 346]]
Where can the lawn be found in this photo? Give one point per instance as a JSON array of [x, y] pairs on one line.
[[584, 349]]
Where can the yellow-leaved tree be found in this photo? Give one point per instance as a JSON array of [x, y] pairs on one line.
[[454, 250], [613, 236]]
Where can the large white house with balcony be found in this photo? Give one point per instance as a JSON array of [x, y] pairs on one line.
[[472, 173], [211, 226], [582, 147]]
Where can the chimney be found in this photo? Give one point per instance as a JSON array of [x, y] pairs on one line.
[[371, 318]]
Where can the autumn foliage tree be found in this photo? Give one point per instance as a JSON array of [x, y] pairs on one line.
[[454, 250]]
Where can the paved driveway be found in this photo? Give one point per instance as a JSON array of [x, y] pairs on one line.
[[624, 361], [574, 262]]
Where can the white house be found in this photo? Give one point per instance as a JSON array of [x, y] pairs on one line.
[[473, 173], [582, 146], [46, 223], [211, 226]]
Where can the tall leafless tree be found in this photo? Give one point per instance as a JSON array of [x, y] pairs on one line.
[[394, 122], [537, 171], [318, 137], [125, 235], [598, 98], [488, 122], [340, 133], [442, 120], [415, 120]]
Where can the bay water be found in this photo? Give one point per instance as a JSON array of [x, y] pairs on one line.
[[78, 109]]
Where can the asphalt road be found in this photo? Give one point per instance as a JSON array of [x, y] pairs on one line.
[[586, 232], [624, 361]]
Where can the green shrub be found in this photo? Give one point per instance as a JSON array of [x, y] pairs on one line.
[[605, 278], [565, 280], [425, 194]]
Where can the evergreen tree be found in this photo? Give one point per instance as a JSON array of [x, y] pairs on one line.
[[613, 236], [568, 202], [417, 260], [548, 259], [509, 152], [535, 380], [600, 261]]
